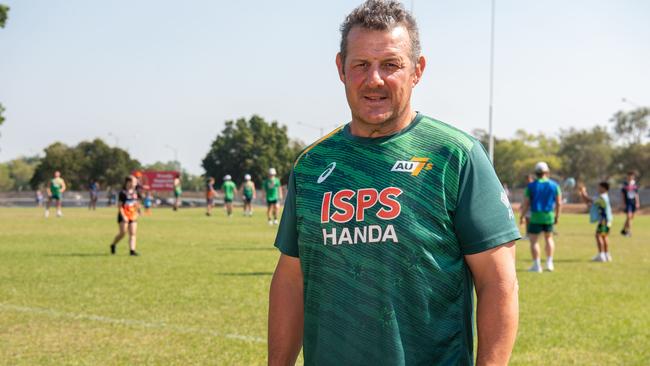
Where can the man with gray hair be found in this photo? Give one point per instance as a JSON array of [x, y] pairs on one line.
[[390, 222]]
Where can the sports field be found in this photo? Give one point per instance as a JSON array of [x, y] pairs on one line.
[[198, 294]]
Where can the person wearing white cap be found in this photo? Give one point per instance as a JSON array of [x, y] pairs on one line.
[[248, 195], [273, 196], [543, 197], [228, 188]]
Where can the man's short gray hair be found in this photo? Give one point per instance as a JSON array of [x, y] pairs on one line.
[[381, 15]]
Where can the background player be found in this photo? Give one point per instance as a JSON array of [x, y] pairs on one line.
[[93, 192], [228, 188], [55, 193], [248, 195], [178, 191], [147, 202], [209, 196], [544, 198], [600, 212], [127, 215], [273, 196], [631, 202]]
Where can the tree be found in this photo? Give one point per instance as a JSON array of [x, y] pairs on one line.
[[586, 154], [88, 160], [21, 171], [634, 157], [4, 10], [631, 126], [514, 159], [6, 183], [251, 147]]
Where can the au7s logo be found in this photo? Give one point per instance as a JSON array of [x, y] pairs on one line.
[[414, 166]]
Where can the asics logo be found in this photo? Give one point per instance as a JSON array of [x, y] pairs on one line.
[[326, 173]]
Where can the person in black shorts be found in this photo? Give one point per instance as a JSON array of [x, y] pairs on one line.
[[127, 215], [631, 202]]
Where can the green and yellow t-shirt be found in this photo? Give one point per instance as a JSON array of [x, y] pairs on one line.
[[381, 227], [56, 187]]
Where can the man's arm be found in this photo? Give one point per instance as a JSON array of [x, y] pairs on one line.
[[286, 316], [623, 199], [497, 310], [638, 200], [63, 187]]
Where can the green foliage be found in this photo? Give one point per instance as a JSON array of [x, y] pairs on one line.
[[2, 118], [163, 166], [515, 159], [631, 126], [251, 147], [6, 182], [4, 10], [22, 170], [633, 157], [586, 154], [88, 160]]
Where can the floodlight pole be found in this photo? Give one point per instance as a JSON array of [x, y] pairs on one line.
[[320, 129], [626, 100], [178, 163], [491, 132]]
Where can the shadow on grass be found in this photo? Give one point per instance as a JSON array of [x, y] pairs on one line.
[[76, 255], [244, 274]]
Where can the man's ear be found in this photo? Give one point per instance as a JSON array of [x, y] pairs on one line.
[[419, 69], [339, 66]]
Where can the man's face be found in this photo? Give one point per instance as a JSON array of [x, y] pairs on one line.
[[57, 174], [379, 74]]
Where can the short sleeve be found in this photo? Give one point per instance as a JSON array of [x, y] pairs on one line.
[[122, 197], [287, 237], [483, 218]]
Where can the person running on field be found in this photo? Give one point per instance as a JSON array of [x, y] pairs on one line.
[[544, 198], [93, 191], [601, 213], [228, 187], [209, 195], [631, 202], [248, 195], [178, 191], [127, 214], [273, 192], [55, 193]]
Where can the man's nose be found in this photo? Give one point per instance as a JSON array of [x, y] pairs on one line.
[[375, 78]]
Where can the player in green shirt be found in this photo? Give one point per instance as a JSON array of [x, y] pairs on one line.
[[389, 223], [178, 191], [55, 193], [273, 192], [248, 195], [228, 188]]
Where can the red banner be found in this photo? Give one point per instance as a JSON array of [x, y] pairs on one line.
[[157, 180]]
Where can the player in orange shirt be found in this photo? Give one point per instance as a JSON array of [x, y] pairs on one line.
[[127, 216]]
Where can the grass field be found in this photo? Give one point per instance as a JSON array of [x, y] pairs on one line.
[[198, 294]]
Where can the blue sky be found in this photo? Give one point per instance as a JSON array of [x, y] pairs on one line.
[[151, 74]]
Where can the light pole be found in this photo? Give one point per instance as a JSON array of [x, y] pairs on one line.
[[491, 132], [178, 163], [635, 105], [320, 129]]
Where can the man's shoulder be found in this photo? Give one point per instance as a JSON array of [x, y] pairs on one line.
[[323, 142], [447, 133]]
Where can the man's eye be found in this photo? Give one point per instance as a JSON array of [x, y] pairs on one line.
[[391, 66]]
